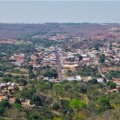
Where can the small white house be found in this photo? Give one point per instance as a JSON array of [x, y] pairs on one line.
[[78, 78], [70, 78], [13, 84], [100, 80]]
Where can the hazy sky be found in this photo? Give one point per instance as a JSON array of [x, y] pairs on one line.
[[60, 11]]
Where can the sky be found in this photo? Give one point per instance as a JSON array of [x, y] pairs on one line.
[[59, 11]]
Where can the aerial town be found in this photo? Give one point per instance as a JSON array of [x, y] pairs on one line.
[[61, 75]]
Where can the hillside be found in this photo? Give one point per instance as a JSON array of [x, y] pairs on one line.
[[80, 29]]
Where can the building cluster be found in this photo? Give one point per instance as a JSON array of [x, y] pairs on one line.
[[67, 58], [58, 36], [6, 90], [17, 59]]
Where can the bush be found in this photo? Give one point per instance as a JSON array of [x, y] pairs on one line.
[[55, 106], [77, 104], [51, 74], [94, 81], [112, 84]]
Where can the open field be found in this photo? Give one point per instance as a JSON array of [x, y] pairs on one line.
[[110, 68], [12, 41]]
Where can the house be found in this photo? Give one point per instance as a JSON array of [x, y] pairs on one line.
[[100, 80], [3, 86], [108, 55], [46, 78], [86, 59], [18, 59], [7, 85], [52, 80], [89, 77], [33, 63], [70, 78], [117, 81], [84, 55], [78, 78]]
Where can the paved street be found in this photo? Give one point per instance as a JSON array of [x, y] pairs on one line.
[[59, 64]]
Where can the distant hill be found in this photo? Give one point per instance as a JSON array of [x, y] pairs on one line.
[[88, 30]]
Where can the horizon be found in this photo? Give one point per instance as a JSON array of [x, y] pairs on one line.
[[59, 12], [62, 23]]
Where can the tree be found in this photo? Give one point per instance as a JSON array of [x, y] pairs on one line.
[[17, 100], [77, 104], [94, 81], [5, 104], [37, 100], [57, 118], [103, 101], [16, 106], [112, 84], [51, 74], [58, 88], [55, 106], [113, 74], [34, 117], [79, 116], [80, 57], [31, 74], [102, 58], [16, 114], [82, 89], [1, 110], [30, 67]]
